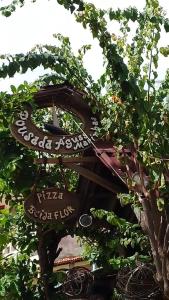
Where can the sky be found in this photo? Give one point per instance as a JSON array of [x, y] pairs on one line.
[[36, 23]]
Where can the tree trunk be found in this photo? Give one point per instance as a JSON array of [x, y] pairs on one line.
[[158, 232], [47, 251]]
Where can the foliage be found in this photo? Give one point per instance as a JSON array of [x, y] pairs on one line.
[[122, 241], [19, 271], [134, 115], [15, 272]]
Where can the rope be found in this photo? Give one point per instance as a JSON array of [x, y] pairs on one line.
[[85, 134], [97, 150]]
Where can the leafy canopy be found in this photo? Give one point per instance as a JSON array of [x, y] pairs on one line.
[[133, 115]]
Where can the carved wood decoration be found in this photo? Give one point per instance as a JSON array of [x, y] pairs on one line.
[[51, 205], [65, 98]]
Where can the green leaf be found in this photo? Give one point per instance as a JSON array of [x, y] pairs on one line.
[[2, 185], [164, 51], [166, 25], [72, 8], [160, 204], [13, 89], [155, 176]]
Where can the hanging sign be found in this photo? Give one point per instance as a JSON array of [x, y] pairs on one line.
[[67, 99], [51, 205]]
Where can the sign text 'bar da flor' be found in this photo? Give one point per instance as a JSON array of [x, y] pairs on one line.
[[56, 141]]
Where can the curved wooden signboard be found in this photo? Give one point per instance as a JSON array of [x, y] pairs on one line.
[[51, 205], [27, 133]]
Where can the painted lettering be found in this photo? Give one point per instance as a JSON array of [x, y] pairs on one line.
[[74, 139], [70, 209], [59, 144], [61, 214], [34, 141], [24, 115], [39, 195], [78, 146], [66, 212], [55, 195], [56, 214], [44, 215], [31, 209], [41, 144], [43, 193], [68, 144], [49, 216], [95, 122], [49, 197], [20, 123], [80, 137], [48, 145], [35, 213], [60, 196], [86, 138], [22, 130], [95, 134], [28, 136], [85, 143], [94, 128], [92, 137]]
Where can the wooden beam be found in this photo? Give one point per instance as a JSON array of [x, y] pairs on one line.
[[112, 187], [68, 160]]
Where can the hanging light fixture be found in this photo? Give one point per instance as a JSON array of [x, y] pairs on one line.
[[85, 220]]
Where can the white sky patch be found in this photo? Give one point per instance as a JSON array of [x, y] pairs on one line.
[[36, 23]]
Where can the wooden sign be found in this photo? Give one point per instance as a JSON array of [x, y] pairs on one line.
[[27, 133], [51, 205]]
